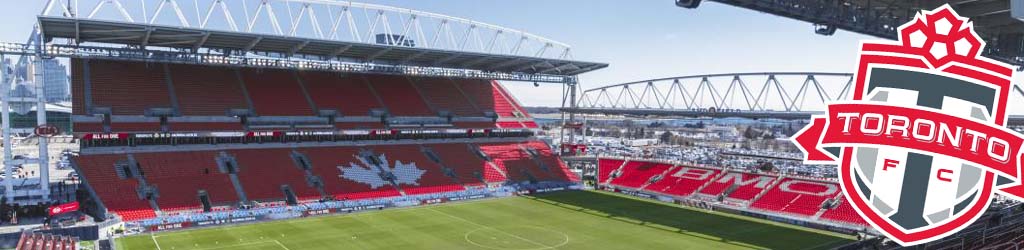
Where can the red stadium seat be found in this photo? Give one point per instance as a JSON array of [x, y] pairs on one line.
[[207, 91], [264, 171], [128, 88], [796, 196], [432, 178], [683, 181], [844, 213], [605, 167], [466, 164], [349, 94], [487, 97], [747, 185], [400, 97], [635, 174], [180, 175], [443, 94], [276, 93], [519, 165], [325, 162], [117, 195]]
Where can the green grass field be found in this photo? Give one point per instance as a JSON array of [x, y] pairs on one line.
[[562, 220]]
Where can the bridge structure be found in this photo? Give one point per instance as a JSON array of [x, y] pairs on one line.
[[315, 35], [760, 95]]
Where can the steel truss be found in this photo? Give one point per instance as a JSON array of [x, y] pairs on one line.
[[217, 59], [1003, 32], [768, 95], [741, 92], [319, 19]]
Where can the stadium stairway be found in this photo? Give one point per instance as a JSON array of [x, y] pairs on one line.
[[444, 95], [314, 181], [796, 196], [469, 168], [376, 162], [616, 172], [683, 181], [658, 178], [765, 191], [605, 167], [710, 181], [399, 97], [638, 173], [449, 171], [843, 212], [228, 164], [269, 175], [116, 190]]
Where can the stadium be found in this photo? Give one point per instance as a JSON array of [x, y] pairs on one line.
[[321, 124]]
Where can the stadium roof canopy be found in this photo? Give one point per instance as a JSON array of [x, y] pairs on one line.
[[87, 30], [332, 35], [993, 19]]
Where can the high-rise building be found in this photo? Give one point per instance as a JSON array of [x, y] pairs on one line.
[[55, 85]]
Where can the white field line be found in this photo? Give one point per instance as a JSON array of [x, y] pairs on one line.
[[154, 241], [495, 229]]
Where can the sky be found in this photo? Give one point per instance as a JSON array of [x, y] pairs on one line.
[[643, 39]]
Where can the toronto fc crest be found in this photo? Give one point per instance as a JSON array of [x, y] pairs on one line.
[[921, 146]]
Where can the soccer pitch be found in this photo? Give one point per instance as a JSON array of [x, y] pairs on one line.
[[562, 220]]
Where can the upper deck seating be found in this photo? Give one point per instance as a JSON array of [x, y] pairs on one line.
[[348, 94], [128, 88], [207, 91], [443, 94], [400, 97], [275, 93], [487, 97]]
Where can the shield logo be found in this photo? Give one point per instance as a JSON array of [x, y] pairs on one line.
[[917, 169]]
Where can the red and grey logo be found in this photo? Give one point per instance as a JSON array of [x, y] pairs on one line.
[[922, 145]]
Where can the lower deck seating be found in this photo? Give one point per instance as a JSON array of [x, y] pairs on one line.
[[327, 163], [683, 181], [557, 167], [637, 173], [343, 173], [796, 196], [263, 172], [740, 185], [179, 176], [519, 165], [844, 213], [605, 167], [415, 172], [468, 167], [117, 194]]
